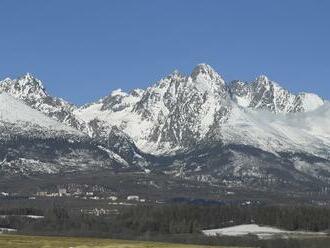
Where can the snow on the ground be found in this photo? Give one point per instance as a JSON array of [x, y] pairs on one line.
[[34, 216], [26, 216], [6, 230], [15, 111], [254, 229]]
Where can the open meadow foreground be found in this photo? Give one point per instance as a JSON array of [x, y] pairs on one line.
[[18, 241]]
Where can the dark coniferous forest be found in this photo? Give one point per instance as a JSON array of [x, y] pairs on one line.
[[181, 223]]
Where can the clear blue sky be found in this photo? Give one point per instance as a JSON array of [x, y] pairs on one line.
[[84, 49]]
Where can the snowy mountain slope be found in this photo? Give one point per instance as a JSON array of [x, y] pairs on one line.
[[299, 132], [15, 112], [31, 142], [31, 91]]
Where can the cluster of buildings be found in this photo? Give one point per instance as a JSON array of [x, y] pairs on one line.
[[135, 198], [61, 192], [88, 195], [99, 211]]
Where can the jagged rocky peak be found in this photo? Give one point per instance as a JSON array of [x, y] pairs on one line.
[[262, 82], [115, 98], [203, 72], [118, 92], [181, 109], [262, 79], [177, 92], [176, 75], [29, 79], [284, 101], [119, 100], [26, 87], [268, 95], [30, 90], [265, 94], [176, 86]]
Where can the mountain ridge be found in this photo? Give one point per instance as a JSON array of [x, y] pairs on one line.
[[164, 114], [199, 127]]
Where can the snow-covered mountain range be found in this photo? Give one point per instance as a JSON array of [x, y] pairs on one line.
[[258, 129], [180, 111]]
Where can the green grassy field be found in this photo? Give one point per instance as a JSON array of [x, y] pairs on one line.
[[20, 241]]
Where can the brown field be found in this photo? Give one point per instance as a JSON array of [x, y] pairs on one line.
[[20, 241]]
